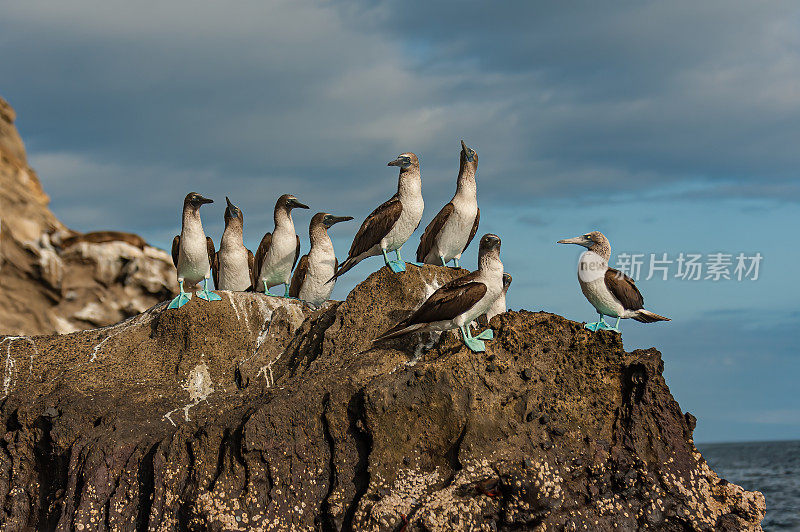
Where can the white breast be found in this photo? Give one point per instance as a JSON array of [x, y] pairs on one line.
[[193, 263], [408, 222], [493, 279], [498, 307], [316, 289], [234, 268], [454, 235], [591, 275], [277, 268]]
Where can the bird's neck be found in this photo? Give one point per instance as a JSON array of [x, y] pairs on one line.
[[410, 184], [603, 249], [320, 240], [191, 220], [233, 233], [490, 263], [283, 218], [466, 186]]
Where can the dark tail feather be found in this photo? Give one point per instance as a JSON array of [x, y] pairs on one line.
[[420, 256], [398, 330], [645, 316], [344, 268]]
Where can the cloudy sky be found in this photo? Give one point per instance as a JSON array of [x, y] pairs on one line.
[[673, 127]]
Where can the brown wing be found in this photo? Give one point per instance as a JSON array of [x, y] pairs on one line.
[[448, 302], [428, 238], [376, 226], [252, 267], [176, 244], [261, 253], [474, 230], [624, 289], [296, 252], [212, 257], [299, 277], [215, 270]]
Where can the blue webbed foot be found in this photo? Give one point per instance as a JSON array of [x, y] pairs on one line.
[[488, 334], [286, 293], [208, 295], [475, 345], [396, 266], [180, 301], [606, 327], [596, 326]]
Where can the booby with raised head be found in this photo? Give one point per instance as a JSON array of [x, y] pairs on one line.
[[457, 303], [452, 230], [611, 292], [278, 252], [499, 305], [311, 281], [234, 265], [392, 223], [192, 252]]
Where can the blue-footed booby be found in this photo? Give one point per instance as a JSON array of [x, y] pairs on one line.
[[457, 303], [499, 305], [452, 230], [311, 281], [193, 252], [393, 222], [611, 292], [278, 252], [233, 265]]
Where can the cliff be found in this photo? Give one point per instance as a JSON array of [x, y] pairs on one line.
[[256, 413], [56, 280]]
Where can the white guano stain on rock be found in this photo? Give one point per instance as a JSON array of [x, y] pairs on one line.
[[199, 385]]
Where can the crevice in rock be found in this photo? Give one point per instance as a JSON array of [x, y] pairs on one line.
[[52, 469], [326, 522], [146, 489], [356, 414], [223, 444], [452, 455], [187, 493], [236, 448]]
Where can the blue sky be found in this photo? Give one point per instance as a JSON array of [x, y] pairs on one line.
[[670, 126]]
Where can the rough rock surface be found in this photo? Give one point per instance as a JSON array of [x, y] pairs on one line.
[[54, 280], [255, 413]]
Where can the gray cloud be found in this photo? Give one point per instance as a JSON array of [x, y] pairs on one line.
[[251, 100]]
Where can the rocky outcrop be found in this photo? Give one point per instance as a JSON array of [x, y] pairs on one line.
[[257, 413], [55, 280]]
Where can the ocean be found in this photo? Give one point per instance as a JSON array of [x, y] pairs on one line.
[[773, 468]]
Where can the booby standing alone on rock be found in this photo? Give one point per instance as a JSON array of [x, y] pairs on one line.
[[233, 265], [452, 230], [391, 224], [193, 252], [457, 303], [499, 305], [278, 252], [311, 281], [610, 291]]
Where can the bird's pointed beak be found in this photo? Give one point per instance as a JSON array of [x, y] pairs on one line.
[[396, 162], [297, 205], [203, 200], [467, 155], [228, 201], [579, 240], [331, 220]]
